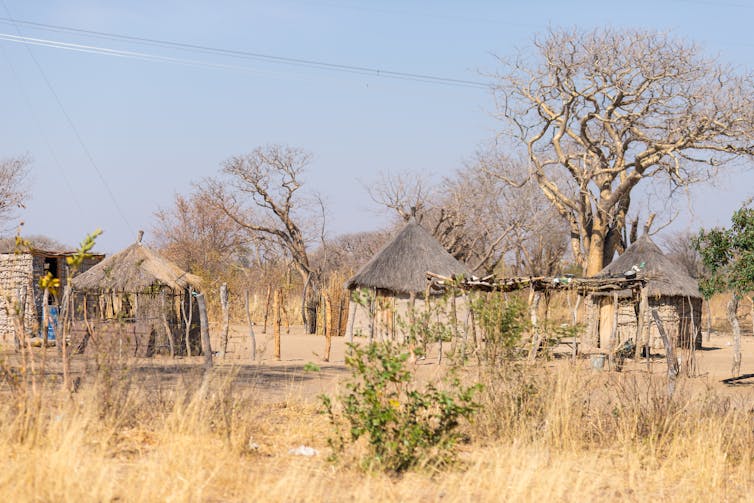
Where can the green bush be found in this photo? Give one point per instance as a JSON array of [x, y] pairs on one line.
[[404, 426], [501, 323]]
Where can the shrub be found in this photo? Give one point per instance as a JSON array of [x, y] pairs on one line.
[[403, 426]]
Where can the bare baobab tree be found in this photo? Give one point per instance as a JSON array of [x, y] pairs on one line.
[[599, 112]]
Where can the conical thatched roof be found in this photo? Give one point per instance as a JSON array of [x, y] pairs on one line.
[[401, 265], [134, 270], [664, 277]]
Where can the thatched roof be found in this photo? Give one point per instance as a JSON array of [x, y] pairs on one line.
[[664, 277], [401, 265], [134, 270]]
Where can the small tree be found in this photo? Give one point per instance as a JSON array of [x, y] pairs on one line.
[[728, 257]]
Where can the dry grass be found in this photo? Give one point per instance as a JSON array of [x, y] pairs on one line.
[[557, 432]]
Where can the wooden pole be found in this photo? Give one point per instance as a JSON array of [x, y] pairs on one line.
[[352, 307], [66, 316], [251, 329], [372, 314], [276, 322], [268, 298], [574, 317], [641, 323], [166, 325], [204, 326], [613, 332], [328, 325], [534, 297], [669, 353], [226, 318], [691, 366]]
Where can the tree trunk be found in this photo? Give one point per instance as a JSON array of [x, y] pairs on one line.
[[595, 258], [187, 318], [733, 319]]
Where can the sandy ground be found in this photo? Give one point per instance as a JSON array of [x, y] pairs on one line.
[[302, 374]]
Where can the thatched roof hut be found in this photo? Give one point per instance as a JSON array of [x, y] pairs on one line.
[[669, 289], [664, 276], [394, 282], [401, 266], [139, 287], [133, 270]]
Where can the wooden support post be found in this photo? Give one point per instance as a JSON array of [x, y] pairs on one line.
[[691, 368], [62, 336], [641, 325], [574, 320], [534, 297], [166, 325], [352, 307], [372, 314], [252, 337], [613, 333], [276, 322], [226, 318], [204, 326], [328, 325], [669, 353]]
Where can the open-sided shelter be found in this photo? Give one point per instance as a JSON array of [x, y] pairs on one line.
[[669, 289], [395, 279], [142, 296]]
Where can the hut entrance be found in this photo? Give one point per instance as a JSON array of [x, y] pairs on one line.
[[51, 266]]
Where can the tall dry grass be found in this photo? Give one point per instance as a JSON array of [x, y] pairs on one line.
[[557, 432]]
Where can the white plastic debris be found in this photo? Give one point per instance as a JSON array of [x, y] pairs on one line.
[[303, 450]]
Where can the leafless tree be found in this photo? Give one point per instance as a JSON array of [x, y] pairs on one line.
[[348, 252], [601, 111], [680, 248], [199, 237], [13, 187], [475, 214], [261, 193]]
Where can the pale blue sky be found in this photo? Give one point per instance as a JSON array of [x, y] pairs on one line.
[[153, 127]]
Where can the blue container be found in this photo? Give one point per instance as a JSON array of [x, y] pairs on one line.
[[52, 322]]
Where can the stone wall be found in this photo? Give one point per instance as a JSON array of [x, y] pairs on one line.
[[16, 272]]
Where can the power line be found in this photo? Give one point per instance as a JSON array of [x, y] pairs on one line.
[[269, 58], [73, 128], [42, 133]]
